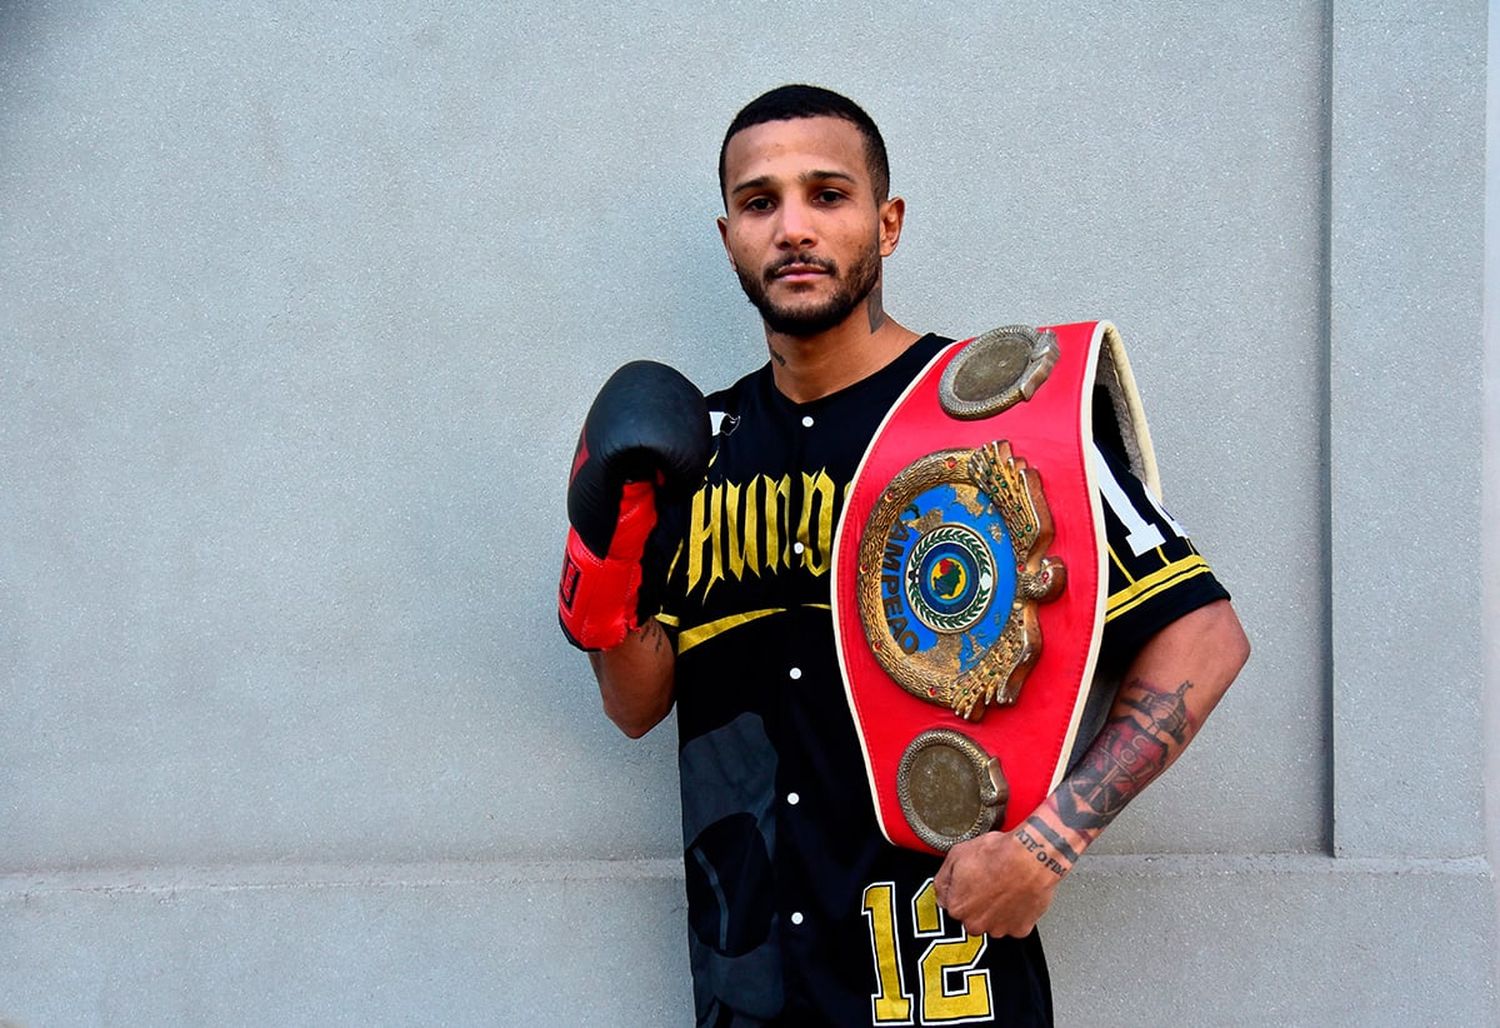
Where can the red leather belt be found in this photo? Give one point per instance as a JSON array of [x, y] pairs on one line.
[[969, 583]]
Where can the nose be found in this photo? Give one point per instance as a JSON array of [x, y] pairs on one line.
[[795, 227]]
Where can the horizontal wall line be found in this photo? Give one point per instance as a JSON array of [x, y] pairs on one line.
[[1208, 865], [442, 874], [415, 875]]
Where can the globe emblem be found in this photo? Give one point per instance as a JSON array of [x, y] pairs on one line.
[[951, 567], [950, 578]]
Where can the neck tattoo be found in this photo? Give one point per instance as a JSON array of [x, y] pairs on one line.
[[874, 308]]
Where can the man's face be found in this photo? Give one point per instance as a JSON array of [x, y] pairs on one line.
[[803, 229]]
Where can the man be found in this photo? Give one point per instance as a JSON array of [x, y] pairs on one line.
[[800, 912]]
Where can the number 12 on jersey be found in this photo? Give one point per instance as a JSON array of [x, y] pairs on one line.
[[953, 990]]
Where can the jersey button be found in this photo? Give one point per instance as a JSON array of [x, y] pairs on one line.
[[798, 547], [795, 673], [796, 917], [793, 799], [807, 421]]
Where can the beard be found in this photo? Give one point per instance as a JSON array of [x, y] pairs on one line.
[[802, 321]]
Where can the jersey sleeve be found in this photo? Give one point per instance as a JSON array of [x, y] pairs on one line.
[[1156, 574]]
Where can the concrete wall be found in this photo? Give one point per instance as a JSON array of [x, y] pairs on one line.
[[300, 306]]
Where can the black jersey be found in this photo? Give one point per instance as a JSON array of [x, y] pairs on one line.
[[799, 910]]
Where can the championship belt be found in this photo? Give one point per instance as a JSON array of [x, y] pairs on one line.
[[969, 576]]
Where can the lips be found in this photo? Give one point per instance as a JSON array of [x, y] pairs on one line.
[[800, 270]]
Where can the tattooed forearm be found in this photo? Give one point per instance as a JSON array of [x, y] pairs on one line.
[[1131, 751], [1162, 711], [651, 632], [1031, 844], [875, 307], [1039, 827]]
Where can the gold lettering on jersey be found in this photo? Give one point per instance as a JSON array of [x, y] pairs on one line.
[[778, 502], [704, 531], [817, 554], [739, 529], [743, 538]]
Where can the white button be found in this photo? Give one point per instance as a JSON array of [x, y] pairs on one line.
[[793, 799], [795, 673], [796, 917], [798, 547], [807, 421]]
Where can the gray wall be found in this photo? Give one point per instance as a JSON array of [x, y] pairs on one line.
[[301, 305]]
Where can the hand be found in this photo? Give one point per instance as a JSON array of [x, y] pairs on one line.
[[644, 443], [1000, 883]]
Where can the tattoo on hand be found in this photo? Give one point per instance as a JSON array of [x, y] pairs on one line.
[[1031, 844], [1130, 752]]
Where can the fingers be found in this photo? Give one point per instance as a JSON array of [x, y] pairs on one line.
[[1001, 923], [942, 882], [984, 898], [944, 879]]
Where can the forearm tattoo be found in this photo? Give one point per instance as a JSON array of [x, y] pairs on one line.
[[1039, 827], [650, 632], [1131, 751], [1031, 844]]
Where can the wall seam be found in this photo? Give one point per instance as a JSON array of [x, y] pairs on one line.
[[1329, 842], [1489, 536], [20, 887]]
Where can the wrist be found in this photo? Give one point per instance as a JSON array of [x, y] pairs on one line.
[[1052, 844]]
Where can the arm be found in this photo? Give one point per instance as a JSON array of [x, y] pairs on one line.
[[644, 448], [636, 678], [1002, 883]]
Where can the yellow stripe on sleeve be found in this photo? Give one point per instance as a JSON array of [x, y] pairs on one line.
[[1139, 592], [1120, 564]]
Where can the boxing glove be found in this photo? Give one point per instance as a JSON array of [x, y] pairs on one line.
[[644, 444]]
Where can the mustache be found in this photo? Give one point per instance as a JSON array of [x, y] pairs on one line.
[[801, 258]]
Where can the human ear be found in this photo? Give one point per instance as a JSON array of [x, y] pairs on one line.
[[723, 224], [892, 215]]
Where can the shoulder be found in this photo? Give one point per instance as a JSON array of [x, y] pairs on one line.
[[748, 396], [733, 398], [925, 348], [1156, 572]]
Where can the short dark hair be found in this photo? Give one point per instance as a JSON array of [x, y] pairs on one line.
[[786, 103]]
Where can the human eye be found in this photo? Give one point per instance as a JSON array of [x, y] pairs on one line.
[[827, 196], [758, 204]]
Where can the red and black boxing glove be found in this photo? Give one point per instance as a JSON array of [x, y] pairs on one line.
[[644, 445]]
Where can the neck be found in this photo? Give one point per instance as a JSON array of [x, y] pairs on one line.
[[809, 367]]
